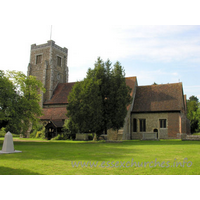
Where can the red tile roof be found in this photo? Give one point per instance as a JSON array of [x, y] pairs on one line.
[[54, 113], [60, 95], [164, 97]]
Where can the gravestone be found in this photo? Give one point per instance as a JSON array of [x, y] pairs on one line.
[[8, 146]]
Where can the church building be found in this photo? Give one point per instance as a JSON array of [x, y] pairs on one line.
[[156, 111]]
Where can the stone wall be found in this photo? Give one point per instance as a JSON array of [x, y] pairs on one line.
[[114, 135], [48, 72], [152, 122], [185, 137], [82, 136]]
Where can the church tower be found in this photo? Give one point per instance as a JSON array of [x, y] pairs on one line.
[[48, 62]]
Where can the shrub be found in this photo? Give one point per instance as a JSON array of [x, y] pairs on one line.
[[58, 137], [2, 132], [90, 136], [37, 131], [41, 134]]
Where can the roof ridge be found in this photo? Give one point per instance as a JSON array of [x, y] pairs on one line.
[[180, 83]]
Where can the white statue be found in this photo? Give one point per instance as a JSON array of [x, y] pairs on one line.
[[8, 146]]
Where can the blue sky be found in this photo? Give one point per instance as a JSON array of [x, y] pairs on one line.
[[130, 33]]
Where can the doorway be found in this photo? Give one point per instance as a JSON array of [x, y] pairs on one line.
[[156, 131]]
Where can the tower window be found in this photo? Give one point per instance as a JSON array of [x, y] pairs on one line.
[[38, 59], [59, 61], [163, 123]]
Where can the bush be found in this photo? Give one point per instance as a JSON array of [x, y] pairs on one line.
[[41, 134], [90, 136], [58, 137], [2, 132]]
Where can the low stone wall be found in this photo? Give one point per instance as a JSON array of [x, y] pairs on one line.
[[114, 135], [136, 136], [185, 137], [144, 136], [82, 136], [149, 136]]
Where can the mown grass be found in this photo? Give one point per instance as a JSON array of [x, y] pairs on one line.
[[196, 134], [56, 157]]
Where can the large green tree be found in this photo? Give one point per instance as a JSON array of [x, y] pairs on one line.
[[8, 96], [22, 96], [193, 113], [99, 102]]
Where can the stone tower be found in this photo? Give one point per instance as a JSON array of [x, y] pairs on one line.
[[48, 62]]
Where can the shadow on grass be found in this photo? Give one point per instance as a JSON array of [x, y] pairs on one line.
[[161, 142], [11, 171], [76, 151], [70, 151]]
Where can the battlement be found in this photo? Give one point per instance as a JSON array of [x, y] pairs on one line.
[[49, 43]]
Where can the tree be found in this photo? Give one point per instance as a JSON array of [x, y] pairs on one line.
[[120, 97], [194, 98], [8, 96], [100, 101], [23, 107], [193, 113]]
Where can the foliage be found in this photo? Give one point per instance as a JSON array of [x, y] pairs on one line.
[[41, 133], [35, 128], [2, 132], [100, 101], [19, 100], [193, 113]]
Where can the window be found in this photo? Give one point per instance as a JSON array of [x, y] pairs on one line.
[[59, 61], [38, 59], [134, 125], [142, 125], [163, 123]]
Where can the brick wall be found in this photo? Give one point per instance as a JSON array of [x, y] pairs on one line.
[[173, 127]]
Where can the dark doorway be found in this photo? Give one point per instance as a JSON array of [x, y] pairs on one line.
[[53, 128], [156, 131]]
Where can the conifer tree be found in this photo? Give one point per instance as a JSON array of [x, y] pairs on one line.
[[99, 102]]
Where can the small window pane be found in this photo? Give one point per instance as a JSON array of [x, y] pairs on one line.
[[59, 61], [38, 59], [142, 125], [163, 123]]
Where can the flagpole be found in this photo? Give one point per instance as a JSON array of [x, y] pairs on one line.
[[51, 32]]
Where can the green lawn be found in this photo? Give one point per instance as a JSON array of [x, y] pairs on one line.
[[56, 157], [196, 133]]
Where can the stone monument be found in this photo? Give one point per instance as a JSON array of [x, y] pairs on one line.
[[8, 146]]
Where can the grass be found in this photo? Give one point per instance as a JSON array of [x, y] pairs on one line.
[[196, 134], [55, 157]]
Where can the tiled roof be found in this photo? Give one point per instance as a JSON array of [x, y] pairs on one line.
[[58, 123], [164, 97], [60, 95], [54, 113]]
